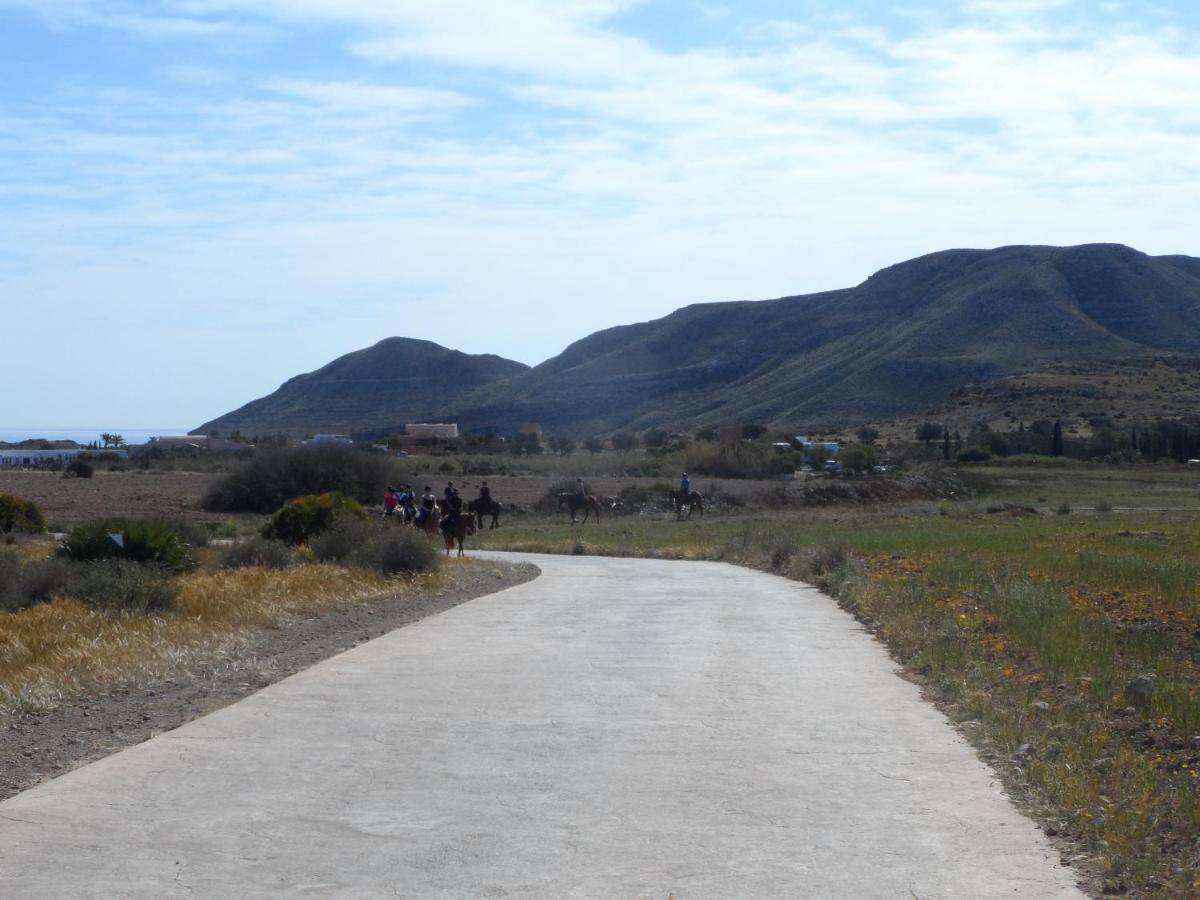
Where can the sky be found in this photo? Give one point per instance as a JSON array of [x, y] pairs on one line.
[[202, 198]]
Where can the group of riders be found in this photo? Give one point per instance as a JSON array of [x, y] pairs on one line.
[[417, 511]]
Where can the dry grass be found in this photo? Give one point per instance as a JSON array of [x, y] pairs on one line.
[[63, 649]]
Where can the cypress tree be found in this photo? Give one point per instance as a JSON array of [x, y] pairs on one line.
[[945, 443], [1056, 442]]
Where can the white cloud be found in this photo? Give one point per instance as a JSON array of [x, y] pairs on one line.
[[577, 176]]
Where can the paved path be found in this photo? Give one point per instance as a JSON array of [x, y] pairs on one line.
[[613, 729]]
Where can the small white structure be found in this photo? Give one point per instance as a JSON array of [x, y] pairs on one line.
[[441, 430]]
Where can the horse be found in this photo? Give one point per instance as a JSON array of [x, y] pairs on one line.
[[574, 503], [430, 525], [479, 506], [455, 529], [694, 500]]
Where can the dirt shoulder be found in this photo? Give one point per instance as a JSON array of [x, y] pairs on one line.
[[35, 749]]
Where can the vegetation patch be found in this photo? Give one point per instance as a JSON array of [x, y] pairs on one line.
[[273, 477], [150, 541], [20, 516], [303, 518]]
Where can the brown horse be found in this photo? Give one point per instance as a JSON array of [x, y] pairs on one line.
[[694, 500], [455, 529], [574, 503]]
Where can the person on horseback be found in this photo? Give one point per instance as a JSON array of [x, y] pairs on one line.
[[685, 487], [391, 499], [485, 494], [580, 491], [428, 502]]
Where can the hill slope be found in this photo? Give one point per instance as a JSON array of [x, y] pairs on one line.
[[900, 341], [375, 390]]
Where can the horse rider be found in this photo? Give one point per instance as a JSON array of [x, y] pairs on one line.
[[428, 502], [580, 491], [391, 499], [485, 495], [685, 487], [408, 502], [452, 501]]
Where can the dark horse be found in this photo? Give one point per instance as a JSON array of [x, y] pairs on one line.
[[455, 529], [574, 503], [480, 507], [694, 500]]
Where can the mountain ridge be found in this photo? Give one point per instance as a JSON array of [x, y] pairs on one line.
[[902, 339]]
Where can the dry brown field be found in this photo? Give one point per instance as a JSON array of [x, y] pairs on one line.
[[68, 501]]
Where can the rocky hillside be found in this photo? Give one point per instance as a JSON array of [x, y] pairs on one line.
[[902, 340], [374, 391]]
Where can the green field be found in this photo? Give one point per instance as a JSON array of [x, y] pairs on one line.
[[1026, 610]]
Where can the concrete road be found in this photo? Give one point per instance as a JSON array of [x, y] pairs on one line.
[[613, 729]]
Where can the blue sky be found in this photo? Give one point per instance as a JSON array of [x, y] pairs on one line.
[[202, 198]]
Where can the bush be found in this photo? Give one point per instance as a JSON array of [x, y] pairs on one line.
[[274, 477], [304, 518], [124, 586], [79, 468], [973, 454], [400, 552], [339, 542], [135, 540], [20, 515], [377, 545], [259, 552]]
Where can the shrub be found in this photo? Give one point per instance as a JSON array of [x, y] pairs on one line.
[[259, 552], [377, 545], [274, 477], [135, 540], [1104, 507], [398, 552], [20, 515], [304, 518], [124, 586], [79, 468], [339, 542], [973, 454], [1064, 509]]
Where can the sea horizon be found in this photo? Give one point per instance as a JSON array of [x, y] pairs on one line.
[[14, 434]]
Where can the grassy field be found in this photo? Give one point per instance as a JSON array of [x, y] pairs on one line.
[[65, 649], [1026, 626]]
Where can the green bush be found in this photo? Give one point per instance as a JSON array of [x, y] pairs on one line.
[[258, 551], [304, 518], [135, 540], [79, 468], [20, 515], [121, 585], [274, 477]]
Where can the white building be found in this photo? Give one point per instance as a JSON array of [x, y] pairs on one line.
[[441, 430], [13, 456]]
